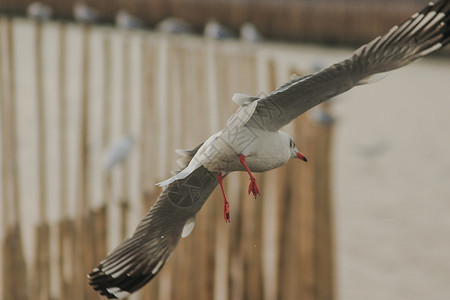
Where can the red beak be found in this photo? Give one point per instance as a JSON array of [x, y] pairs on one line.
[[301, 156]]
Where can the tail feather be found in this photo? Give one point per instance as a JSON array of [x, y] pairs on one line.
[[180, 175]]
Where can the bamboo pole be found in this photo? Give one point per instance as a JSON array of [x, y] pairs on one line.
[[270, 210], [148, 177], [4, 127], [41, 119], [67, 228], [106, 91], [99, 215], [3, 157], [13, 123], [179, 265], [205, 223], [325, 269], [253, 228], [62, 232], [151, 290], [15, 281], [306, 193], [148, 172], [6, 182], [85, 223], [161, 113], [41, 274], [223, 234], [270, 239], [126, 102]]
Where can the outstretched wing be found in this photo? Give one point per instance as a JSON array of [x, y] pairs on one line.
[[422, 34], [139, 258]]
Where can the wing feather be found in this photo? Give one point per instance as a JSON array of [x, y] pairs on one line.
[[425, 32], [139, 258]]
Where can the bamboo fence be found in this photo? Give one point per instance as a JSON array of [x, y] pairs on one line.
[[344, 21], [69, 93]]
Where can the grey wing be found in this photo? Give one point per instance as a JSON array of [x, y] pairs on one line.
[[139, 258], [422, 34]]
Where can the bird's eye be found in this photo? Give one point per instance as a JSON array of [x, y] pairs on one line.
[[291, 144]]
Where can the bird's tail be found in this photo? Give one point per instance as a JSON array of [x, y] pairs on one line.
[[183, 162], [180, 175]]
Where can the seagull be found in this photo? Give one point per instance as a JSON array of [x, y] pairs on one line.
[[85, 14], [215, 30], [175, 26], [249, 33], [252, 142], [126, 20], [118, 151], [39, 11]]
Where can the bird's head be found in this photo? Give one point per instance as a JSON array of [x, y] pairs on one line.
[[293, 149]]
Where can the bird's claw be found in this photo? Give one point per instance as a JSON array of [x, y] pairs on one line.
[[253, 187], [226, 212]]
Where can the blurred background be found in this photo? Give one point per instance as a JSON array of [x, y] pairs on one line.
[[96, 95]]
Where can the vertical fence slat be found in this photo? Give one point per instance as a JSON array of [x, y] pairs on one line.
[[305, 213], [150, 191], [3, 193], [62, 124], [41, 276], [179, 265], [136, 159], [67, 234], [13, 257], [105, 139], [161, 106], [86, 223], [325, 269], [125, 130]]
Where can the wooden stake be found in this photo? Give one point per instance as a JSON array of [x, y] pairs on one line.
[[15, 274], [42, 264], [126, 102], [85, 229]]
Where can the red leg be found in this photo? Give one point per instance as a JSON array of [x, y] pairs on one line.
[[226, 206], [253, 187]]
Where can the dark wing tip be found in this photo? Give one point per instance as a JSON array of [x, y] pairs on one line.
[[120, 286]]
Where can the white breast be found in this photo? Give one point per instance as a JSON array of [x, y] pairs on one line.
[[264, 151]]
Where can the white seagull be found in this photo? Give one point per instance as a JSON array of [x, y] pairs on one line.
[[125, 19], [39, 11], [252, 142], [249, 33], [84, 13], [175, 26], [214, 29]]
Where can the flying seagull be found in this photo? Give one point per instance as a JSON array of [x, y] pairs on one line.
[[252, 142]]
